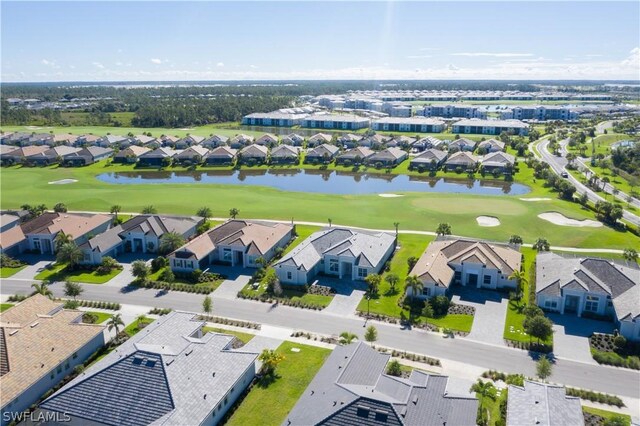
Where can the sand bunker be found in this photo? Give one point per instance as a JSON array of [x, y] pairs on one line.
[[390, 195], [535, 199], [562, 220], [62, 181], [488, 221]]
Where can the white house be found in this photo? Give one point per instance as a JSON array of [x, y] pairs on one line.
[[341, 252]]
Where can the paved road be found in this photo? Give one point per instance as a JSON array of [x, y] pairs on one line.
[[474, 354], [558, 165]]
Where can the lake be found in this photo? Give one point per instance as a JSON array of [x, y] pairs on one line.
[[320, 181]]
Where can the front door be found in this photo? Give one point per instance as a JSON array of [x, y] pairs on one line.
[[137, 245], [472, 280], [571, 304], [239, 258]]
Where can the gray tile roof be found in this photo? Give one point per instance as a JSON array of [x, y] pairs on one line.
[[542, 404], [351, 388], [428, 156], [198, 373], [323, 149]]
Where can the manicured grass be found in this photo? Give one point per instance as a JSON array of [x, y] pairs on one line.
[[60, 273], [102, 316], [419, 211], [607, 414], [5, 306], [132, 328], [209, 284], [244, 337], [8, 272], [290, 294], [493, 407], [270, 405], [303, 231], [458, 322]]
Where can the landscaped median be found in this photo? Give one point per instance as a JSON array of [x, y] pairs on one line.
[[298, 298], [615, 350], [164, 279]]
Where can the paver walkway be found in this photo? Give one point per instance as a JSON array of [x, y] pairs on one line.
[[343, 305]]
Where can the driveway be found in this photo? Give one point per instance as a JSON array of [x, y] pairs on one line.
[[35, 264], [230, 287], [491, 310], [571, 336], [344, 305]]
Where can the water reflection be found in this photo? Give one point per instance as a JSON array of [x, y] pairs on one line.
[[315, 180]]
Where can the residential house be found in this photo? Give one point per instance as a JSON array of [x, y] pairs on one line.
[[469, 263], [173, 372], [192, 155], [42, 230], [542, 404], [345, 253], [490, 127], [113, 141], [168, 140], [350, 140], [240, 141], [160, 157], [267, 139], [51, 156], [86, 140], [65, 139], [221, 156], [253, 154], [10, 138], [324, 153], [461, 160], [215, 141], [490, 145], [589, 286], [140, 234], [285, 154], [318, 139], [499, 162], [389, 157], [41, 343], [235, 243], [8, 220], [20, 155], [12, 241], [431, 159], [293, 139], [376, 141], [187, 141], [86, 156], [352, 388], [130, 154], [39, 139], [428, 142], [355, 156], [402, 142], [143, 140], [462, 144], [6, 149]]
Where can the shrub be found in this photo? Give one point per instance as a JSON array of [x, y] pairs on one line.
[[167, 275], [107, 265], [394, 369], [71, 304], [8, 262], [89, 318], [196, 275], [440, 305], [158, 263], [620, 342]]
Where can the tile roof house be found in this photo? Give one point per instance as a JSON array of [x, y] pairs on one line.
[[350, 140], [324, 153], [463, 159], [470, 263], [542, 404], [144, 139], [20, 155], [222, 155], [404, 142], [130, 154], [356, 156], [491, 145], [51, 156], [8, 220], [388, 157], [187, 141], [318, 139], [170, 373], [41, 231], [192, 155], [140, 234], [352, 389], [293, 139], [86, 140], [342, 252], [215, 141], [240, 141], [589, 285], [65, 139], [427, 142], [235, 243], [111, 141], [86, 156], [41, 344], [498, 161], [256, 154], [13, 241], [39, 139], [158, 157], [6, 149], [267, 139], [430, 159], [462, 144], [285, 154]]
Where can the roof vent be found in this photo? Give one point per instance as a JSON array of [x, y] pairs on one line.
[[35, 324], [11, 333], [415, 399]]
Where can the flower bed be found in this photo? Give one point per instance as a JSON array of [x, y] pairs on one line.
[[269, 299], [530, 346], [605, 351], [187, 288], [461, 309], [227, 321], [602, 398], [320, 290]]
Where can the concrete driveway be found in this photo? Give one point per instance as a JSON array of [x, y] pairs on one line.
[[344, 305], [230, 287], [491, 310], [571, 336], [36, 263]]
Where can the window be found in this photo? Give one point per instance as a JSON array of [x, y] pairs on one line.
[[551, 304], [333, 265], [486, 279], [426, 291], [66, 366], [592, 304], [457, 276], [362, 272], [59, 369], [226, 255], [75, 355], [289, 275], [362, 412]]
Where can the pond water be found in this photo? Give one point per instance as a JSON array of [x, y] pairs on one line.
[[321, 181]]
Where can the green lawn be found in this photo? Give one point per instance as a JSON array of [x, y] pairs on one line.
[[8, 272], [102, 316], [59, 273], [5, 306], [607, 414], [210, 284], [454, 321], [244, 337], [132, 328], [291, 294], [303, 232], [493, 407], [270, 405]]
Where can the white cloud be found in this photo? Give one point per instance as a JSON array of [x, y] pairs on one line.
[[47, 62], [452, 67], [429, 49], [419, 56], [220, 64], [119, 64], [156, 61], [494, 55], [593, 55], [98, 65], [633, 60], [253, 67]]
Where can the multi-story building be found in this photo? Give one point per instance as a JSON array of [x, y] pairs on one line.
[[335, 121], [490, 127], [410, 124], [275, 118], [539, 113], [452, 111]]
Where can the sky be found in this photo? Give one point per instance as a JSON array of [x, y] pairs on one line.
[[161, 41]]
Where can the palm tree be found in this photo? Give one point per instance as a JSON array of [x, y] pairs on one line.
[[413, 282], [115, 209], [62, 239], [520, 279], [270, 360], [115, 322], [233, 212], [346, 338], [171, 241], [396, 225], [149, 210], [443, 229], [42, 289], [70, 254], [140, 319], [204, 212], [485, 390]]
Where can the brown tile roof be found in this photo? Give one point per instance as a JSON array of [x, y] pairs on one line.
[[11, 237], [39, 336], [133, 150], [29, 150], [75, 225], [65, 137]]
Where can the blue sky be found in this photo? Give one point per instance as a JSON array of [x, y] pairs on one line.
[[95, 41]]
